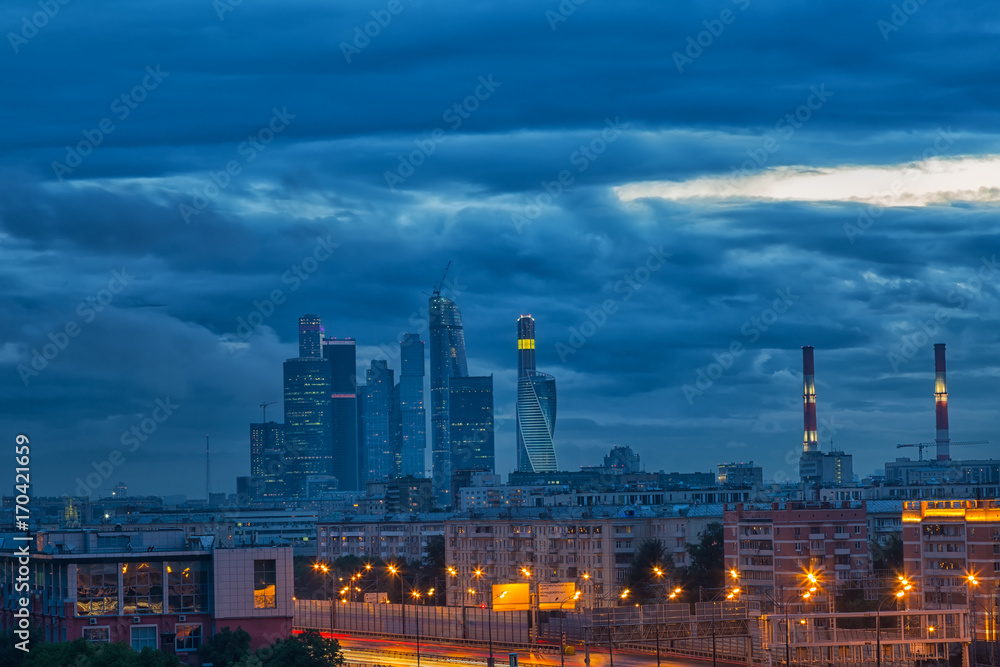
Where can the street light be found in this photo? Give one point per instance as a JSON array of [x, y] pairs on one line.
[[478, 572], [905, 587]]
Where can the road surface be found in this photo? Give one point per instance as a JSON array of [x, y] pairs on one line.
[[372, 651]]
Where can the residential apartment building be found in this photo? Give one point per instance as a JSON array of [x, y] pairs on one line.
[[385, 536], [946, 541], [773, 547]]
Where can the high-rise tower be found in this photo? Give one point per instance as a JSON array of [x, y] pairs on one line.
[[413, 437], [310, 336], [470, 414], [536, 406], [536, 422], [447, 361], [341, 354], [379, 429], [308, 415]]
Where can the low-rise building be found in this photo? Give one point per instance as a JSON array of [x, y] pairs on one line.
[[157, 587]]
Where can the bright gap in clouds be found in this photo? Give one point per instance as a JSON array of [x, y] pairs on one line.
[[932, 181]]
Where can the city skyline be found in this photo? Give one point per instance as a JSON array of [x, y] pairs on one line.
[[680, 218]]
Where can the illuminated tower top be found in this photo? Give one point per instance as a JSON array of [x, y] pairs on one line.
[[525, 345], [310, 337]]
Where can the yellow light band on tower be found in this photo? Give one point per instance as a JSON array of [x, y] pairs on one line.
[[526, 344]]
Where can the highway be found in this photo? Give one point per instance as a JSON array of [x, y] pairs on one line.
[[395, 653]]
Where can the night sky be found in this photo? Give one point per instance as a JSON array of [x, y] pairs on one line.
[[682, 174]]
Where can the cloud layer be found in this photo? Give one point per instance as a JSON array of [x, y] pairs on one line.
[[549, 160]]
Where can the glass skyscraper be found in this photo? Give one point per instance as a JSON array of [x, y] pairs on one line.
[[470, 413], [447, 361], [379, 426], [413, 415], [342, 355], [267, 460], [536, 422], [308, 416], [536, 406]]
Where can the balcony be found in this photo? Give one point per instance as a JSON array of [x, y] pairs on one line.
[[842, 566], [841, 536], [817, 536], [841, 552]]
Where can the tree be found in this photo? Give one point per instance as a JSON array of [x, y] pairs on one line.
[[309, 649], [432, 567], [82, 652], [225, 648], [643, 582], [888, 556], [707, 560]]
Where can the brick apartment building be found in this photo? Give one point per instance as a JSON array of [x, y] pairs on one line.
[[773, 547]]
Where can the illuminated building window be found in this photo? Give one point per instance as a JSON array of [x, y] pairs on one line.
[[187, 637], [98, 635], [142, 585], [264, 583], [96, 589]]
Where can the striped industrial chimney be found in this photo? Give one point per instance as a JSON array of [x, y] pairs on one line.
[[810, 442], [941, 404]]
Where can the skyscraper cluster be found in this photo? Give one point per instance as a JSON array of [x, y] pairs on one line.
[[340, 433]]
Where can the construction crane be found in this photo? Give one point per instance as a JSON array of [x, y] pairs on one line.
[[437, 288], [920, 445], [263, 408]]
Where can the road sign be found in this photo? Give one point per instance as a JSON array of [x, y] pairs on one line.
[[557, 596], [510, 597]]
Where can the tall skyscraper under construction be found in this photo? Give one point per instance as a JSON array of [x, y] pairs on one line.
[[447, 361]]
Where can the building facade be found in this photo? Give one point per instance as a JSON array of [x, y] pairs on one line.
[[447, 361], [158, 588], [536, 422], [341, 353], [413, 435], [471, 428], [774, 547], [381, 446]]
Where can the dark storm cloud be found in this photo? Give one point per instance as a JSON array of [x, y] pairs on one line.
[[173, 331]]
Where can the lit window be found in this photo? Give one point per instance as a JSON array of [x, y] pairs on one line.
[[188, 637], [98, 635], [264, 584]]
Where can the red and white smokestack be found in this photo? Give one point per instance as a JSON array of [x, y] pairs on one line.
[[941, 404], [810, 443]]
